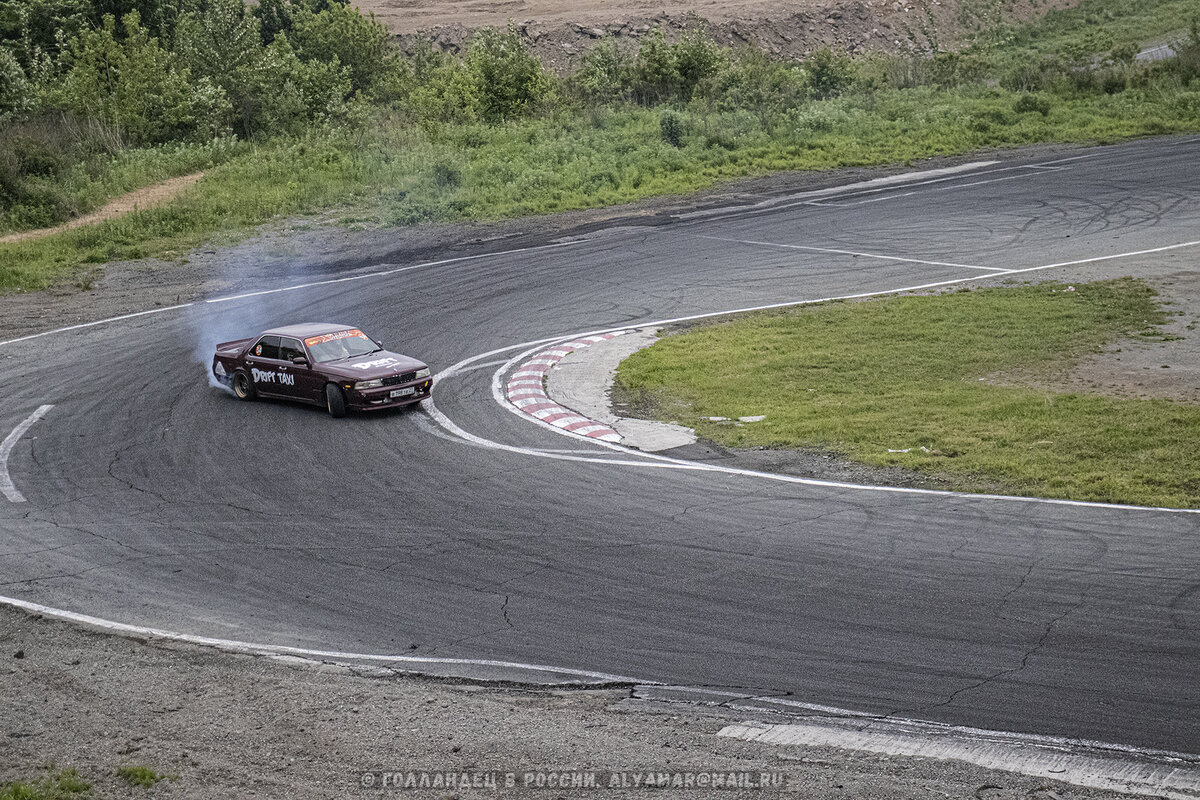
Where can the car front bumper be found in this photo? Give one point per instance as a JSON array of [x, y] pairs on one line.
[[388, 396]]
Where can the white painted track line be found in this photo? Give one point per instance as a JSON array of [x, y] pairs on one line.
[[1090, 764], [653, 460], [278, 290], [6, 484], [1069, 760], [754, 243], [233, 645]]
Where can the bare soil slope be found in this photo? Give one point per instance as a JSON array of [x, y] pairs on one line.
[[561, 30]]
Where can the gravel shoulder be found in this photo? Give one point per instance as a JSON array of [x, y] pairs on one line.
[[221, 725]]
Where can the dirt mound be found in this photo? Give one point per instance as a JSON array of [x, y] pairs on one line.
[[560, 32]]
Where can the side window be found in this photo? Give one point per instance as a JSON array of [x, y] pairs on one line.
[[266, 347], [289, 349]]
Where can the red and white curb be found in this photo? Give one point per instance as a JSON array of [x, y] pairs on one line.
[[526, 390]]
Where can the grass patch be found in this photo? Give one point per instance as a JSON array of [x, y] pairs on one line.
[[61, 785], [139, 776], [397, 174], [904, 373]]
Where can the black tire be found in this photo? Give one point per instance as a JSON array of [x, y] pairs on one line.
[[335, 401], [243, 387]]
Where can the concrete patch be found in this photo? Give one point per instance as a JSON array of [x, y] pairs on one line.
[[582, 380]]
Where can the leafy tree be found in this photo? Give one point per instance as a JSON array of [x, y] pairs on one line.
[[343, 34], [156, 16], [604, 75], [133, 83], [280, 93], [16, 95], [219, 41], [33, 30], [279, 16]]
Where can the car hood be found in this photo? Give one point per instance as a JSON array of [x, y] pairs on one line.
[[373, 365]]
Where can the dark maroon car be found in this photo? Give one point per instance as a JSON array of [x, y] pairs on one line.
[[336, 366]]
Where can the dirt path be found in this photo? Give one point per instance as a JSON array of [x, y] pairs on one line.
[[145, 198]]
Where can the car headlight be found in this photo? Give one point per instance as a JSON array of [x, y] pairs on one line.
[[375, 384], [422, 373]]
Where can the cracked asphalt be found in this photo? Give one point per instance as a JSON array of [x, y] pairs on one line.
[[157, 500]]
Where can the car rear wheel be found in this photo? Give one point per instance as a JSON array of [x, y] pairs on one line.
[[243, 387], [335, 401]]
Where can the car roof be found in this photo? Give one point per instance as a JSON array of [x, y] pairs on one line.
[[306, 329]]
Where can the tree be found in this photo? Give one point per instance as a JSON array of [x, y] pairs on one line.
[[342, 33], [133, 83]]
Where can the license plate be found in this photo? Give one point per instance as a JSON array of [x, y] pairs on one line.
[[407, 390]]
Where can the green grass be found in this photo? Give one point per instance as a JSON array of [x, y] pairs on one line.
[[61, 785], [139, 776], [1128, 22], [863, 378], [395, 174]]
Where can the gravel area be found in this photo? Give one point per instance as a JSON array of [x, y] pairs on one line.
[[219, 725]]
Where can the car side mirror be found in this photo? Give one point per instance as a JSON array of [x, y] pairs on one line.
[[379, 343], [300, 361]]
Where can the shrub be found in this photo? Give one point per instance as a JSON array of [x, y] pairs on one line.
[[655, 77], [509, 80], [281, 94], [670, 128], [604, 74], [829, 74], [1028, 102], [696, 58]]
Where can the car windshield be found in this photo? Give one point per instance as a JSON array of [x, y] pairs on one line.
[[343, 344]]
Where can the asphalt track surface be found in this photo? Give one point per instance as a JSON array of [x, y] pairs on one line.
[[154, 499]]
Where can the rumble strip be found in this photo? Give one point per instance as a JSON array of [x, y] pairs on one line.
[[526, 390]]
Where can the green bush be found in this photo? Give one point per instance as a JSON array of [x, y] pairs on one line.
[[829, 73], [1028, 102], [604, 74], [655, 77], [342, 33], [509, 80], [670, 129], [697, 58]]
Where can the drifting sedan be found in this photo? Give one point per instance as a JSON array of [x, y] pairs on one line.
[[336, 366]]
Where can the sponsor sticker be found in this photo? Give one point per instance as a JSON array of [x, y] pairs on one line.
[[262, 376], [329, 337], [379, 362]]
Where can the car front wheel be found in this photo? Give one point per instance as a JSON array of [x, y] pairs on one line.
[[243, 387], [335, 401]]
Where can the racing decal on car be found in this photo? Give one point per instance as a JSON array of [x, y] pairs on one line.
[[272, 377], [329, 337], [379, 362]]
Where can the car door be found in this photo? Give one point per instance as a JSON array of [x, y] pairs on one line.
[[266, 368], [307, 382]]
